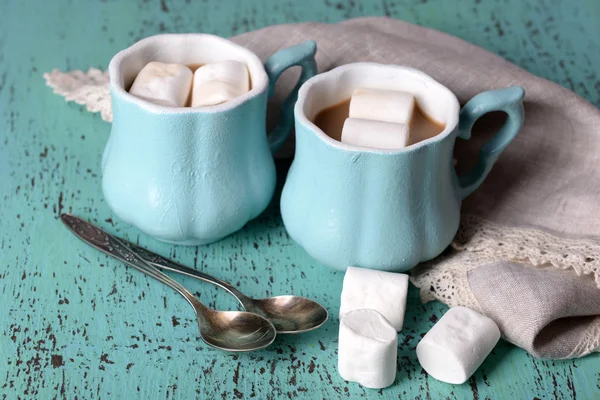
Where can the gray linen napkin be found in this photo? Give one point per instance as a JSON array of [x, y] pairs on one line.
[[542, 190], [525, 254]]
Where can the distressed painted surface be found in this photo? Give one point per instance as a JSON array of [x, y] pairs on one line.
[[75, 324]]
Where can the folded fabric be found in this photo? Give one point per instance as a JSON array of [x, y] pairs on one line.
[[537, 208], [551, 313]]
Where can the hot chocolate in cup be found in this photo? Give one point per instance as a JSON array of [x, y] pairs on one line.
[[385, 209]]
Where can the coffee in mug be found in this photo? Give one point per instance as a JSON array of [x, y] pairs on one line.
[[385, 209], [331, 121]]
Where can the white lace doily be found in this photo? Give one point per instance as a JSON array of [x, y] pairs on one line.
[[528, 245], [90, 89], [446, 279], [480, 242]]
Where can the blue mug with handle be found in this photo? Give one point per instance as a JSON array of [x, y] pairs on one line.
[[195, 175], [385, 209]]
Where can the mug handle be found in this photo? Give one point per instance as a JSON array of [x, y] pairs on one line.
[[302, 55], [509, 100]]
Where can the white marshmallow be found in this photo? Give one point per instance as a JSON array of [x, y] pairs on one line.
[[213, 93], [457, 345], [229, 71], [367, 349], [382, 291], [219, 82], [376, 134], [163, 84], [382, 105]]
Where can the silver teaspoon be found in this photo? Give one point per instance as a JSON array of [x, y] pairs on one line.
[[224, 330], [289, 314]]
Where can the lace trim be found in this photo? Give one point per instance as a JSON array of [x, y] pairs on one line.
[[445, 279], [479, 242], [528, 246], [90, 89], [590, 342]]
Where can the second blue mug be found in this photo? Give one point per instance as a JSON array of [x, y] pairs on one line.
[[385, 209]]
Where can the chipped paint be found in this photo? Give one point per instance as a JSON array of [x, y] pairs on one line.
[[75, 323]]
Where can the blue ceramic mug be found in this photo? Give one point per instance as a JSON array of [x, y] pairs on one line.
[[194, 175], [385, 209]]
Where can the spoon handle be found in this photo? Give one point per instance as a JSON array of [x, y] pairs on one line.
[[114, 247], [164, 263]]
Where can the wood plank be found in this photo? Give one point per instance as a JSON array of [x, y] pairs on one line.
[[75, 324]]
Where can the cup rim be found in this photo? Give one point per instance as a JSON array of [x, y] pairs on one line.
[[299, 108], [115, 75]]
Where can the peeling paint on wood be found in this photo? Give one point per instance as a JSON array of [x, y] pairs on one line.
[[76, 324]]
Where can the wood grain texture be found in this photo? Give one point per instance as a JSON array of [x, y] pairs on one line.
[[76, 324]]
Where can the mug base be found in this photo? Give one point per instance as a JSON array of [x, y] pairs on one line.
[[190, 242], [400, 267]]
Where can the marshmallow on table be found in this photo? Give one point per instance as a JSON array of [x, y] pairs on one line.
[[382, 291], [376, 134], [457, 345], [163, 84], [382, 105], [367, 349], [219, 82]]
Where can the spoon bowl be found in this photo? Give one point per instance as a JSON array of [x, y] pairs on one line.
[[236, 330], [225, 330], [289, 314]]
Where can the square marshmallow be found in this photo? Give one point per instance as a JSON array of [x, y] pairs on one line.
[[375, 134], [382, 105], [163, 84], [382, 291], [219, 82]]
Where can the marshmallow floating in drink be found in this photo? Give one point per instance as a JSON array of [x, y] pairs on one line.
[[367, 349], [382, 105], [376, 134], [163, 84], [384, 292], [379, 119], [219, 82], [457, 345]]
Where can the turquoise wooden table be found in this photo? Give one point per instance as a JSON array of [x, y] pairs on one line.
[[76, 324]]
